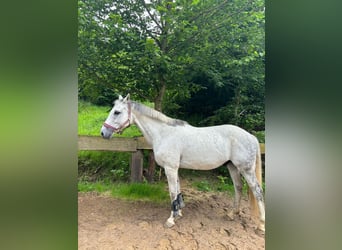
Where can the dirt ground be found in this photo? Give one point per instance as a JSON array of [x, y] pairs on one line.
[[105, 223]]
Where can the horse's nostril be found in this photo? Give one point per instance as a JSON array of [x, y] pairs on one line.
[[102, 134]]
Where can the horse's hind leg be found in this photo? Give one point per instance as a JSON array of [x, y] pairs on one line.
[[254, 186], [236, 177]]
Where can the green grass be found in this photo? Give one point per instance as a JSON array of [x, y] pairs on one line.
[[209, 181], [211, 185], [130, 191]]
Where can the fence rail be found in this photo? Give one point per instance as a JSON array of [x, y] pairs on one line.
[[124, 144], [117, 144]]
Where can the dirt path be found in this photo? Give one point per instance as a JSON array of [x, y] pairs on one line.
[[108, 223]]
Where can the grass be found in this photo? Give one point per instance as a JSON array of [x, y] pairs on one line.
[[212, 181], [130, 191], [205, 182], [212, 184]]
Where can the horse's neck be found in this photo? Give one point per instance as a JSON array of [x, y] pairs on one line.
[[150, 127]]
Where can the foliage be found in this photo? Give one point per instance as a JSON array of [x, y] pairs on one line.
[[221, 184], [260, 135], [108, 166], [202, 185], [202, 60]]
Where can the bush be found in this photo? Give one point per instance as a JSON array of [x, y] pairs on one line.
[[110, 166]]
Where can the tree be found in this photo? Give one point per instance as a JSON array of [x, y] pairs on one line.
[[156, 49], [229, 67]]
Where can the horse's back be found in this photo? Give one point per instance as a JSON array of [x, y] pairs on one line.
[[208, 147]]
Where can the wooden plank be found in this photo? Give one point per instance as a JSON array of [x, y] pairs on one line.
[[97, 143], [142, 143], [120, 144]]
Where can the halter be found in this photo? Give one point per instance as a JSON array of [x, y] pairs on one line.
[[126, 124]]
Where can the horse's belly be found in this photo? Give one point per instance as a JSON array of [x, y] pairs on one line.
[[207, 160]]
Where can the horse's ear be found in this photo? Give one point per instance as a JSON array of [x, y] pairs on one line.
[[127, 98], [120, 98]]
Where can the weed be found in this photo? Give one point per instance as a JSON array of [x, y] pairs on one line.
[[142, 191], [130, 191], [202, 185]]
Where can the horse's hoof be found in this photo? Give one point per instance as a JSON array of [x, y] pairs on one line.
[[169, 224], [261, 227], [259, 231]]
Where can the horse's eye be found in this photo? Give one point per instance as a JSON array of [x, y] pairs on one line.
[[117, 112]]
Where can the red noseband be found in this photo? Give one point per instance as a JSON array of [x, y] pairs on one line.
[[108, 126]]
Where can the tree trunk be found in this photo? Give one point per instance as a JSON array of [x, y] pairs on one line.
[[158, 102]]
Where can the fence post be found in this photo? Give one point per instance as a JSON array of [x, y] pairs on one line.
[[151, 167], [136, 166]]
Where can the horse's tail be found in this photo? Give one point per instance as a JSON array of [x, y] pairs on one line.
[[258, 172]]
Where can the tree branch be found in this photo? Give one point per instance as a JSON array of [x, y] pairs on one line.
[[150, 32], [210, 11], [192, 38], [150, 15]]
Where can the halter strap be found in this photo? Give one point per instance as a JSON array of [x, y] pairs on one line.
[[123, 126]]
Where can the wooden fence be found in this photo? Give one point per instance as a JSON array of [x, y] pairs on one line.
[[124, 144]]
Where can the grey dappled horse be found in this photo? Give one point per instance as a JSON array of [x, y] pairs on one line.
[[176, 144]]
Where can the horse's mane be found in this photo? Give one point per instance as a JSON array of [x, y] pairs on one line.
[[157, 115]]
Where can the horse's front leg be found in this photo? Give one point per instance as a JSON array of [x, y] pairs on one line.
[[176, 198]]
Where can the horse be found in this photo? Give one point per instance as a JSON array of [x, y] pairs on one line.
[[176, 144]]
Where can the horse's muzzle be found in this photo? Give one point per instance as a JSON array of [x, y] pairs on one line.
[[106, 133]]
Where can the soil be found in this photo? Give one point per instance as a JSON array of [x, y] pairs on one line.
[[107, 223]]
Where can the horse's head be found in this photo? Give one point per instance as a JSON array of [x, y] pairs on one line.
[[119, 117]]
